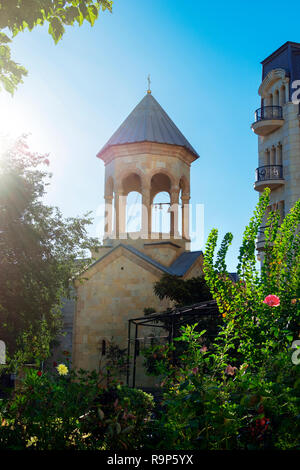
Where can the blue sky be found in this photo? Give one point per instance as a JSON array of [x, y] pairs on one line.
[[204, 60]]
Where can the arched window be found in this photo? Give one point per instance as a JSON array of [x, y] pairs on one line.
[[134, 212], [161, 216], [160, 197], [132, 189]]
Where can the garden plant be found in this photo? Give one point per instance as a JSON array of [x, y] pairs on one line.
[[243, 391]]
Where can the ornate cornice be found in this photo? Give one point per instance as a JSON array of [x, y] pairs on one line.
[[272, 77]]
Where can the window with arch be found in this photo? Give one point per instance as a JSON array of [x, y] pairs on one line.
[[161, 214], [160, 196], [134, 212], [132, 190]]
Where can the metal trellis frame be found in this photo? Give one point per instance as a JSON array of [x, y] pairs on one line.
[[176, 317]]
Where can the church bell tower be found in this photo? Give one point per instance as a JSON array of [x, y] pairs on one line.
[[148, 155]]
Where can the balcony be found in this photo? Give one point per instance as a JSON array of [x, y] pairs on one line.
[[267, 119], [269, 176], [261, 239]]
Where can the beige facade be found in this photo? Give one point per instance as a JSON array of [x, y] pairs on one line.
[[119, 284], [278, 130]]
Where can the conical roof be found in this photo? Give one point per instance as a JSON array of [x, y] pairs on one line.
[[148, 122]]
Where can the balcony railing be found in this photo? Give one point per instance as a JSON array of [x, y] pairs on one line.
[[269, 172], [268, 112]]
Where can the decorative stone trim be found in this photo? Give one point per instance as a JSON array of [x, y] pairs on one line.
[[273, 76]]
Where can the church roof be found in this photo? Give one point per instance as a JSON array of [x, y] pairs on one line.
[[148, 122], [179, 267]]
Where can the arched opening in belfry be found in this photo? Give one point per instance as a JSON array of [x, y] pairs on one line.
[[134, 212], [132, 189], [160, 191], [161, 214]]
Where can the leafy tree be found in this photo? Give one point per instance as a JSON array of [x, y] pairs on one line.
[[40, 252], [18, 15], [183, 292]]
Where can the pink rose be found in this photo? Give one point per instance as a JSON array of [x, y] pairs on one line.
[[272, 300]]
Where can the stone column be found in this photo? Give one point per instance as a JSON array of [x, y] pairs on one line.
[[287, 98], [174, 212], [119, 213], [282, 95], [185, 198], [146, 213], [122, 215], [108, 216], [279, 155]]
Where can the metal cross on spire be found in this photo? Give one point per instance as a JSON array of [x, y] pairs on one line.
[[149, 82]]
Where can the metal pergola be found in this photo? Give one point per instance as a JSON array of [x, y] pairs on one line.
[[175, 317]]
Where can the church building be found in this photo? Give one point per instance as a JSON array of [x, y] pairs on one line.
[[148, 155]]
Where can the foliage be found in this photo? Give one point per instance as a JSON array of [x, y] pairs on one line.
[[260, 331], [210, 405], [124, 418], [39, 253], [243, 391], [182, 291], [149, 310], [115, 363], [158, 359], [44, 411], [52, 412], [19, 15]]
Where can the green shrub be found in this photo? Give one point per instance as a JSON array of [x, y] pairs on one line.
[[55, 412], [120, 417]]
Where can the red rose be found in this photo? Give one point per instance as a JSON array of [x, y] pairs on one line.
[[39, 373]]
